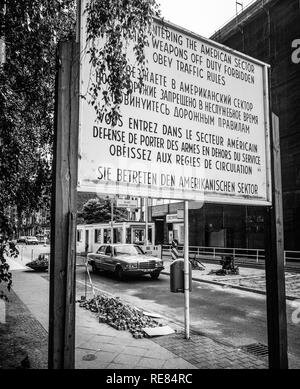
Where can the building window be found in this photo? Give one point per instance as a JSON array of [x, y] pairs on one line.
[[118, 235], [97, 236], [79, 235]]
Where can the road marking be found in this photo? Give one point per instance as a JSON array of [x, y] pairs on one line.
[[100, 290]]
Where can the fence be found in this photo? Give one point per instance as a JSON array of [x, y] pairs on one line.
[[241, 255]]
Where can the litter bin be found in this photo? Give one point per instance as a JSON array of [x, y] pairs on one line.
[[177, 276]]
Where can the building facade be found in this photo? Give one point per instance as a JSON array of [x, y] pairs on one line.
[[268, 30], [210, 225]]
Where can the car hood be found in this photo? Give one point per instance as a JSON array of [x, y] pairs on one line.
[[136, 258], [133, 258]]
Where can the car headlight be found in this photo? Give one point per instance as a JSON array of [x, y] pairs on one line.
[[159, 264]]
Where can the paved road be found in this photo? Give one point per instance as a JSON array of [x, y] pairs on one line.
[[228, 315]]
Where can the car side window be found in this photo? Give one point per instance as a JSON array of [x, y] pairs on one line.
[[101, 250], [108, 250]]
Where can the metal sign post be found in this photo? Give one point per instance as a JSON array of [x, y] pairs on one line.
[[112, 222], [146, 221], [61, 349], [2, 36], [275, 276], [186, 271]]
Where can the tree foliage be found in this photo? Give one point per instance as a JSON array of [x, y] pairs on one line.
[[31, 29], [119, 22], [27, 97], [99, 211]]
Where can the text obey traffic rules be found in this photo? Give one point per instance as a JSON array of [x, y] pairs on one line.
[[195, 131]]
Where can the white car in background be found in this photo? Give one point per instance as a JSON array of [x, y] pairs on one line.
[[31, 240], [125, 259]]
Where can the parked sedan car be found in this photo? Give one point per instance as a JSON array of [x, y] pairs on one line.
[[32, 240], [125, 259], [22, 239], [41, 263]]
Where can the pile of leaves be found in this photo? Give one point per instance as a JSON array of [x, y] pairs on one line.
[[120, 316], [228, 266], [39, 264]]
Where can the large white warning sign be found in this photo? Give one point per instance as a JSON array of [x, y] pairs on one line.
[[197, 130]]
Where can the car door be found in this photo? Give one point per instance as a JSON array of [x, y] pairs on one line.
[[108, 259], [99, 257]]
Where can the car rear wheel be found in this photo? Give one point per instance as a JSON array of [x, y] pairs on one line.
[[119, 273], [94, 268], [155, 275]]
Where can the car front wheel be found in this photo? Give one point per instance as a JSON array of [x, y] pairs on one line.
[[119, 273]]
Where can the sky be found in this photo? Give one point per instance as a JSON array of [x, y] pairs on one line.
[[202, 17]]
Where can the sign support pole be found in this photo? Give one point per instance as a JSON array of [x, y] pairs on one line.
[[2, 36], [186, 271], [275, 275], [112, 221], [61, 349], [146, 221]]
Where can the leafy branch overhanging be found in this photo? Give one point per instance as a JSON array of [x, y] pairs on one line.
[[118, 23]]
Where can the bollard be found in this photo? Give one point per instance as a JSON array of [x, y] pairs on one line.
[[174, 250]]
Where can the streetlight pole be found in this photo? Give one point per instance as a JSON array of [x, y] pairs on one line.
[[112, 221], [2, 32], [186, 271], [146, 221]]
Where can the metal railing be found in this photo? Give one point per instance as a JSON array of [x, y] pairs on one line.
[[240, 254], [291, 256]]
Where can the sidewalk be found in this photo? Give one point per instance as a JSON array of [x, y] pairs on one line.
[[99, 346], [249, 279]]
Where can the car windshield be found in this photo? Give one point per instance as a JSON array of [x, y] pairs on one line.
[[128, 250]]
